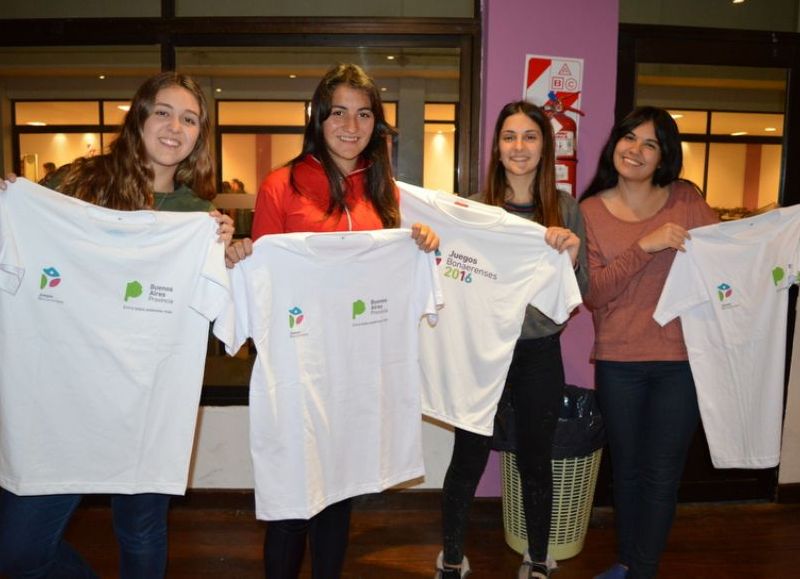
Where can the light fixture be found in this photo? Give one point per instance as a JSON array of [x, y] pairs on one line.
[[102, 77], [738, 1], [676, 116], [124, 108], [770, 129], [218, 90], [383, 89], [738, 133], [36, 124], [292, 76], [390, 57]]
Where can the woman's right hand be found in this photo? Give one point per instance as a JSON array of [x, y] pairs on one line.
[[667, 236], [10, 178], [237, 251]]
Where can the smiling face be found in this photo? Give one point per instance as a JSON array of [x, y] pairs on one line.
[[349, 127], [520, 145], [637, 154], [171, 131]]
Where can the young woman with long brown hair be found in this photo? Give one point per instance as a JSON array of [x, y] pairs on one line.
[[341, 181], [161, 160], [521, 179]]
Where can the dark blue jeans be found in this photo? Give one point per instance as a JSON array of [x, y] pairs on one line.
[[536, 383], [32, 530], [650, 411]]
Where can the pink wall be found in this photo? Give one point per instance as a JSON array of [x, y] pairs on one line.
[[584, 29]]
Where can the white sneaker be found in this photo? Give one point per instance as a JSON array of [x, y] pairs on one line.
[[465, 570]]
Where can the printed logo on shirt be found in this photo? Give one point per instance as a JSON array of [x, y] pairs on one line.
[[158, 298], [784, 277], [724, 292], [438, 255], [296, 317], [372, 311], [465, 268], [50, 279], [358, 308], [725, 296]]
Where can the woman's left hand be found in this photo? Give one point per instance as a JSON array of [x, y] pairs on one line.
[[226, 228], [562, 239], [426, 238]]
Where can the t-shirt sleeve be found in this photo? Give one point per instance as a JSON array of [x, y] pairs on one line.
[[555, 290], [11, 270], [232, 326], [212, 292], [429, 292], [681, 291]]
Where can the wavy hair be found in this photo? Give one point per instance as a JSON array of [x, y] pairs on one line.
[[546, 209], [122, 179], [669, 141], [380, 183]]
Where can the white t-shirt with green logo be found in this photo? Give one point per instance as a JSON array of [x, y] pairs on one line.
[[492, 264], [335, 390], [731, 289], [103, 331]]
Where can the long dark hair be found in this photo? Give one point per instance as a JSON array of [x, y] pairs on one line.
[[543, 188], [122, 179], [669, 141], [380, 184]]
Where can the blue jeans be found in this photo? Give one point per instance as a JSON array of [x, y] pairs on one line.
[[32, 530], [650, 411]]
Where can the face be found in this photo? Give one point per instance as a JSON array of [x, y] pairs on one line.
[[520, 145], [349, 127], [638, 154], [170, 132]]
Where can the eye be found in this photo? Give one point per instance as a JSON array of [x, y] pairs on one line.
[[337, 113], [651, 146], [365, 114], [190, 120], [629, 137], [507, 138], [161, 112], [531, 137]]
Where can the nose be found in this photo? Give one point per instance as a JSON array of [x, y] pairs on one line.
[[351, 124], [174, 123], [517, 144]]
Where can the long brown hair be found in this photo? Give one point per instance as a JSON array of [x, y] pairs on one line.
[[122, 179], [380, 184], [546, 210]]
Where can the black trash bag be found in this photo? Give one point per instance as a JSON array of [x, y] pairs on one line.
[[580, 430]]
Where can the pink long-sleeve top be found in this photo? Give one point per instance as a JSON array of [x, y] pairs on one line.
[[625, 282]]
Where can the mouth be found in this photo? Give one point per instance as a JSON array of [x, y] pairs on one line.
[[347, 139], [632, 162], [168, 142]]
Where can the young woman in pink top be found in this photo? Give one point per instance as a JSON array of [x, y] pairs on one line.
[[638, 213]]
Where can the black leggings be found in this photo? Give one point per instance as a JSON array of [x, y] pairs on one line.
[[536, 383], [327, 533]]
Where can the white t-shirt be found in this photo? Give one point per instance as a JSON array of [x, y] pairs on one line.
[[335, 390], [730, 289], [492, 265], [103, 331]]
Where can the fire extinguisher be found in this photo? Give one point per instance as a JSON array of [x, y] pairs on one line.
[[564, 130]]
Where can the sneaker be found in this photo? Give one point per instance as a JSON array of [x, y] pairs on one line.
[[616, 571], [531, 570], [451, 572]]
